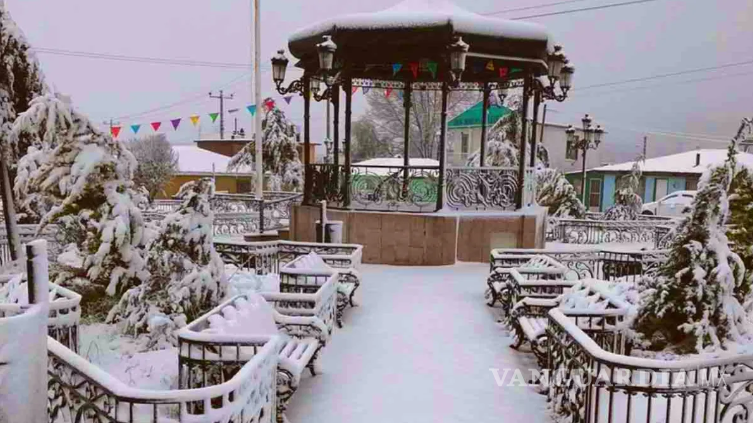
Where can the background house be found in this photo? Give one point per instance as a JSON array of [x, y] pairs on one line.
[[229, 147], [661, 176], [195, 163]]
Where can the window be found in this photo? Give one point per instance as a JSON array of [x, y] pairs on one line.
[[577, 185], [464, 141], [594, 194], [571, 153], [661, 189], [691, 184], [242, 186]]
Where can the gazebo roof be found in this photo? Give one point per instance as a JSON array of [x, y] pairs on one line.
[[416, 30]]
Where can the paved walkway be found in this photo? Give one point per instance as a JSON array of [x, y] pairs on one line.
[[419, 349]]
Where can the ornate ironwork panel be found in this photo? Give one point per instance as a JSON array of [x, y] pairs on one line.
[[481, 188]]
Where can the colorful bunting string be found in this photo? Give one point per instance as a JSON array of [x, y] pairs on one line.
[[156, 125], [213, 116], [288, 98], [503, 72], [176, 122], [194, 119], [396, 68], [490, 65], [135, 128], [115, 131], [414, 69], [269, 104], [252, 109], [432, 66]]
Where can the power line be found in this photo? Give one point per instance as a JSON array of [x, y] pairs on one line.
[[585, 9], [688, 81], [143, 59], [538, 6], [664, 75]]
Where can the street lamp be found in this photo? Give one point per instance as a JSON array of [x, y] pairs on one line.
[[590, 140], [560, 73], [458, 53], [326, 50], [328, 150]]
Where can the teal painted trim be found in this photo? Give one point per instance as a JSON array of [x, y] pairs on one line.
[[610, 186], [648, 196], [675, 184]]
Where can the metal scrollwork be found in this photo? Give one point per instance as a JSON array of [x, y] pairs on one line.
[[482, 188]]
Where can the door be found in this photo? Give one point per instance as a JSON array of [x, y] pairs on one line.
[[661, 189], [594, 195]]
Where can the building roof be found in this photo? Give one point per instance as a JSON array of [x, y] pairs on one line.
[[395, 163], [471, 117], [195, 160], [680, 163]]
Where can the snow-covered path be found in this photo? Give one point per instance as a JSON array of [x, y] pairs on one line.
[[418, 349]]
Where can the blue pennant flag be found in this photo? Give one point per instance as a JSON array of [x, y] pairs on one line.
[[252, 109], [135, 128]]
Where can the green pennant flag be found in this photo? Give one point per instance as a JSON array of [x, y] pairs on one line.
[[433, 69], [514, 70], [213, 116]]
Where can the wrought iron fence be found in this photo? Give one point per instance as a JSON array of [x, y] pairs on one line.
[[481, 188], [382, 188], [588, 231], [595, 382], [28, 233]]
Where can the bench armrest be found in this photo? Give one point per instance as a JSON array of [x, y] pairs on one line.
[[302, 326]]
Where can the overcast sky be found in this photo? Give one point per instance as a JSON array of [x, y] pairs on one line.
[[607, 45]]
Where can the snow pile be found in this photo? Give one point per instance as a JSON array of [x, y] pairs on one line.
[[242, 282], [187, 275], [251, 315], [282, 167], [311, 261], [699, 300], [86, 176], [598, 295]]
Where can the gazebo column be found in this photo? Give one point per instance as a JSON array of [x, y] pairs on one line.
[[406, 136], [535, 126], [306, 138], [442, 147], [523, 141], [348, 87], [335, 98], [484, 118]]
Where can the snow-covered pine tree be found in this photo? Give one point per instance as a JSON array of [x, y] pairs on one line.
[[627, 202], [187, 275], [740, 224], [282, 167], [555, 192], [85, 176], [503, 140], [695, 301]]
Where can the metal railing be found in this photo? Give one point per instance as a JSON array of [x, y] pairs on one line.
[[481, 188], [589, 231], [27, 234], [595, 382]]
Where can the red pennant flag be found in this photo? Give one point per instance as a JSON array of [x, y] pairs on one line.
[[388, 92], [269, 104], [503, 72], [175, 123], [115, 131], [354, 90], [414, 69], [156, 125]]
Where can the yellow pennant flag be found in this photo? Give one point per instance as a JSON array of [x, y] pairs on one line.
[[194, 119], [490, 65]]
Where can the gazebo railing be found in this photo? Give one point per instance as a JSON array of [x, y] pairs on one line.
[[587, 231], [378, 188], [481, 188]]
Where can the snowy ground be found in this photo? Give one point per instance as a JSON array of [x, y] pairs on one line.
[[419, 349]]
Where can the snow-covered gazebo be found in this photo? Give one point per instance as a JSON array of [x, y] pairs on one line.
[[421, 45]]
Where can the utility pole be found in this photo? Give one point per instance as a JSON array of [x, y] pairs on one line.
[[111, 123], [257, 98], [222, 99], [645, 146]]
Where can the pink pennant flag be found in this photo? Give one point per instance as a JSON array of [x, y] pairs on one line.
[[354, 90], [503, 72], [269, 104], [388, 92], [115, 131], [175, 123], [414, 69], [156, 125]]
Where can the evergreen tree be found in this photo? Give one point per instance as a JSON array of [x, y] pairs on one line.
[[555, 192], [282, 167], [696, 300], [187, 275], [84, 176], [740, 228], [627, 202]]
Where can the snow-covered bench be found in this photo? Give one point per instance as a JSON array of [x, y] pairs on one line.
[[64, 308], [271, 257], [216, 345], [594, 306], [538, 275]]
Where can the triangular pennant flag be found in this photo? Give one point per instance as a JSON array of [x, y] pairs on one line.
[[388, 92], [396, 68], [516, 70], [477, 67], [269, 104], [354, 90], [503, 72], [365, 90], [135, 128], [194, 119], [433, 69], [414, 69], [288, 98], [175, 123], [490, 65], [156, 125], [213, 116], [115, 131], [251, 109], [400, 94]]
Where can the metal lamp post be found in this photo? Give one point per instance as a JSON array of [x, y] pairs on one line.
[[590, 140]]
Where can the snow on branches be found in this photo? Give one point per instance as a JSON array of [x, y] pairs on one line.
[[627, 202], [187, 275], [699, 300], [79, 178], [282, 167], [555, 192]]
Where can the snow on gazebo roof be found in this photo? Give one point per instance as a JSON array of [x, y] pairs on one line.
[[420, 28]]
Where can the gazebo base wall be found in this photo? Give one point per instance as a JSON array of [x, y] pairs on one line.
[[428, 239]]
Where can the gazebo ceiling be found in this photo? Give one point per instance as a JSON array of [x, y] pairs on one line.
[[416, 30]]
